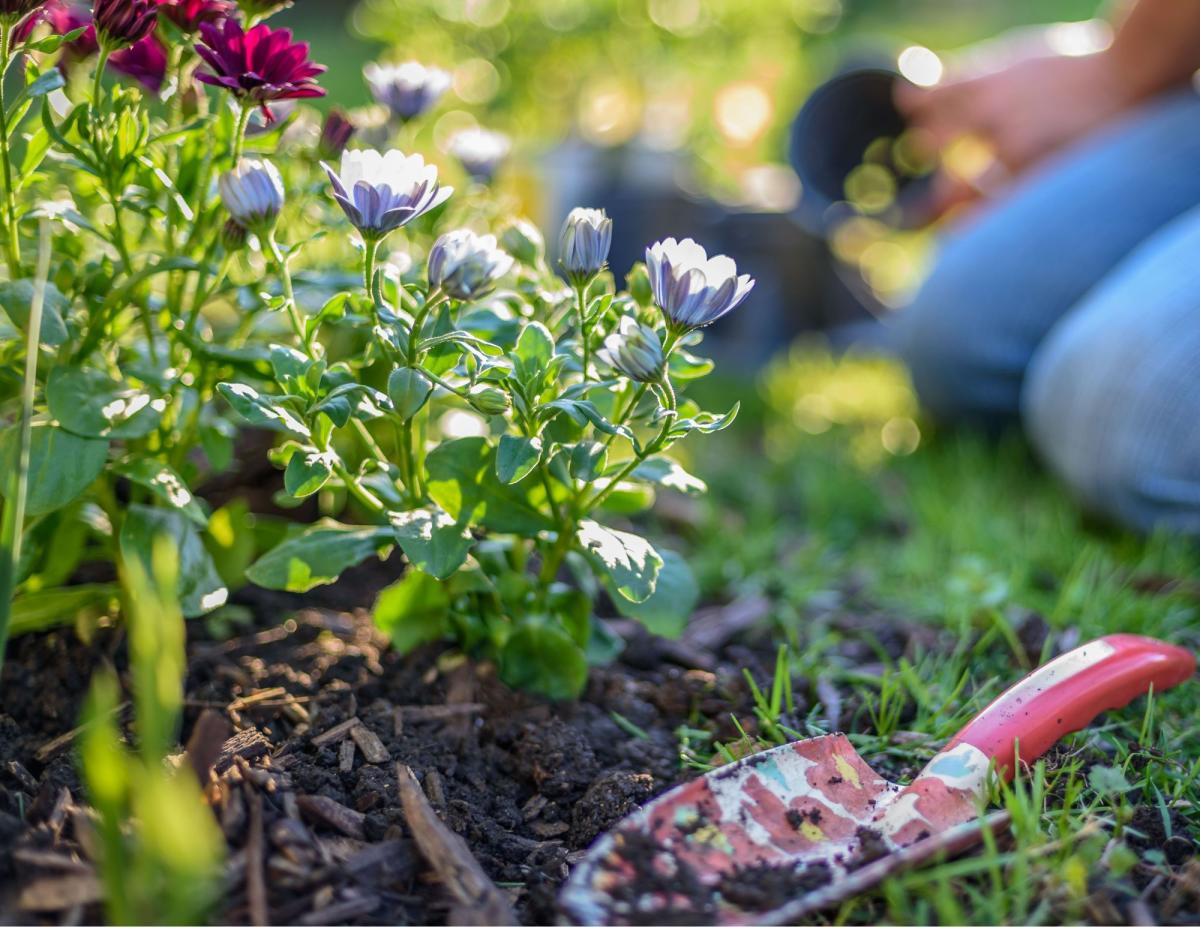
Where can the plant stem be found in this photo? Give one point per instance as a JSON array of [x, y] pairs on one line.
[[12, 526], [12, 242], [98, 80], [363, 495], [581, 304], [370, 257], [289, 295], [239, 133]]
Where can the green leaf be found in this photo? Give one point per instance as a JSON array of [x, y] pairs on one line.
[[413, 611], [432, 540], [318, 555], [353, 399], [542, 657], [166, 484], [16, 299], [706, 422], [587, 460], [91, 404], [685, 366], [259, 409], [535, 347], [52, 43], [463, 481], [409, 390], [582, 412], [307, 471], [628, 562], [61, 465], [666, 472], [200, 587], [50, 608], [667, 610], [516, 457]]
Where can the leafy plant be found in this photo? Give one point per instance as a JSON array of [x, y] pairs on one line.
[[453, 397]]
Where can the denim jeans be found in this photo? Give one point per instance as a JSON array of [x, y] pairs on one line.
[[1074, 305]]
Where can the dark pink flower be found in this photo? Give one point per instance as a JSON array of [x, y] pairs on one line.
[[258, 66], [189, 14], [120, 23], [64, 17], [145, 61]]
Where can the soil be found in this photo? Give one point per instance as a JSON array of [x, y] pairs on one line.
[[299, 723]]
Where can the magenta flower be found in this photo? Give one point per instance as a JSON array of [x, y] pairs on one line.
[[145, 61], [63, 17], [188, 15], [121, 23], [258, 66]]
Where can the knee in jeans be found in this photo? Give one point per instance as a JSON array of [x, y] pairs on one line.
[[944, 337]]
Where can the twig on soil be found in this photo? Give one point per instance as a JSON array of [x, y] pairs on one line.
[[337, 732], [57, 893], [479, 900], [256, 883], [48, 749], [372, 747], [324, 810]]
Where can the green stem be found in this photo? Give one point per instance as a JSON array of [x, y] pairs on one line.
[[370, 257], [289, 295], [98, 80], [12, 242], [12, 525], [584, 340], [239, 133], [361, 493]]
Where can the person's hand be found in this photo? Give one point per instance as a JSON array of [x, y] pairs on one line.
[[1023, 109]]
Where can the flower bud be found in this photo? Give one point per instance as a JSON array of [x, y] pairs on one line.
[[584, 244], [121, 23], [336, 133], [13, 11], [634, 350], [467, 266], [253, 194], [233, 236], [488, 400], [407, 89], [409, 390], [522, 239]]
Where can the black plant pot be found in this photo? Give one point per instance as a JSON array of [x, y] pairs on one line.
[[830, 136]]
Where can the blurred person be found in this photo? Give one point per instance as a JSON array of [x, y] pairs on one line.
[[1070, 299]]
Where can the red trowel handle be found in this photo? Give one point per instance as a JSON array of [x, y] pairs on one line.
[[1067, 693]]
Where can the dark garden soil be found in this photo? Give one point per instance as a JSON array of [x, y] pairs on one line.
[[299, 726]]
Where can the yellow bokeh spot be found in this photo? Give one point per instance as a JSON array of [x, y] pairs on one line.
[[743, 112]]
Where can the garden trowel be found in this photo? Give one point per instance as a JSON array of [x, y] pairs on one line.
[[782, 833]]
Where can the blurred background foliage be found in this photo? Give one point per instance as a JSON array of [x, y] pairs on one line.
[[694, 96]]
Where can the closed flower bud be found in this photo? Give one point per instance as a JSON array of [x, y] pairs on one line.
[[488, 400], [407, 89], [522, 239], [584, 244], [634, 350], [233, 236], [253, 194], [121, 23], [692, 289], [336, 133], [465, 265], [480, 152]]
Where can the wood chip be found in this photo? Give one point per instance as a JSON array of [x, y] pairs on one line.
[[249, 744], [479, 900], [438, 712], [23, 776], [337, 732], [435, 789], [710, 628], [58, 893], [256, 882], [547, 829], [369, 743], [346, 755], [48, 859], [323, 810]]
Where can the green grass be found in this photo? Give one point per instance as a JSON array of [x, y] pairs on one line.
[[968, 537]]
